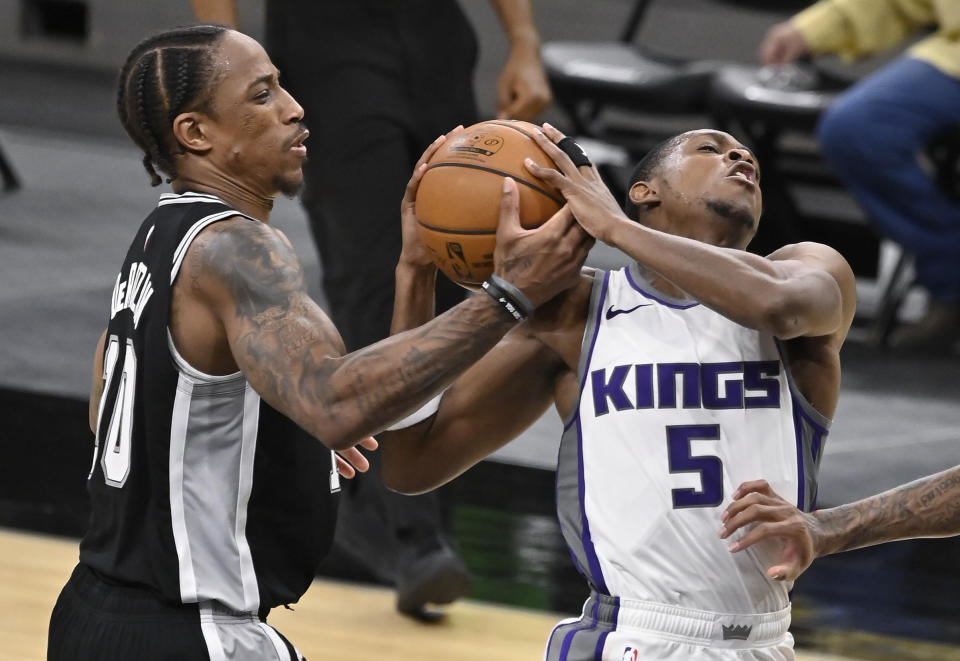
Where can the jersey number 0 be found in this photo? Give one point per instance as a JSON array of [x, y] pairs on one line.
[[117, 442]]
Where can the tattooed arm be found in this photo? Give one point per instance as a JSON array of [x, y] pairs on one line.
[[928, 507], [244, 278], [248, 277]]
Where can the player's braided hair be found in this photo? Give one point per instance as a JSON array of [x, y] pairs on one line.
[[164, 75], [649, 166]]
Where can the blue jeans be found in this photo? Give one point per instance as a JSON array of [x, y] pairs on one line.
[[872, 135]]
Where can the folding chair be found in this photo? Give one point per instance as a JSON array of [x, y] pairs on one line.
[[591, 77]]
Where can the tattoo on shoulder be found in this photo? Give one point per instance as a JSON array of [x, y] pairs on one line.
[[278, 323], [258, 267]]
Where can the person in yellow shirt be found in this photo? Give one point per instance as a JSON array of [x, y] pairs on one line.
[[872, 134]]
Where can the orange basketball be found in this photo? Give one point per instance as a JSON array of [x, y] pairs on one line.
[[458, 202]]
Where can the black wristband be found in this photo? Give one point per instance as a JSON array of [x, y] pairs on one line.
[[516, 296], [503, 300], [569, 147]]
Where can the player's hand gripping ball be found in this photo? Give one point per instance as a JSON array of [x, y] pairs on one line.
[[458, 200]]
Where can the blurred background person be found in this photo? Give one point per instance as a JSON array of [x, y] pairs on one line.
[[872, 135], [379, 80]]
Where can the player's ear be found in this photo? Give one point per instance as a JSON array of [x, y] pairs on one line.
[[644, 194], [190, 129]]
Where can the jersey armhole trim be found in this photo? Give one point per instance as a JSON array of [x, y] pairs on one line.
[[813, 415], [592, 328], [192, 233], [191, 372]]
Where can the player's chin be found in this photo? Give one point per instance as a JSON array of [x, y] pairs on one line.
[[290, 183]]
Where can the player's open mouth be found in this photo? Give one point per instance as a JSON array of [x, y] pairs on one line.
[[744, 171]]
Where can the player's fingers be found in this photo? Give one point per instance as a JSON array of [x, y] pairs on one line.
[[742, 503], [758, 486], [549, 175], [751, 514], [584, 246], [577, 234], [552, 132], [509, 209], [356, 459], [410, 194], [421, 167], [567, 226], [369, 443], [758, 533], [345, 469], [571, 159], [787, 571], [557, 155], [561, 222]]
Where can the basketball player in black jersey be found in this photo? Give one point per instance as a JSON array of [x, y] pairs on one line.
[[221, 389]]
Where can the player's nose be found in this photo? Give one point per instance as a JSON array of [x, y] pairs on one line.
[[741, 154], [293, 111]]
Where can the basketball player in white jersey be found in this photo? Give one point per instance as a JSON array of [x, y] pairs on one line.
[[220, 389], [677, 378]]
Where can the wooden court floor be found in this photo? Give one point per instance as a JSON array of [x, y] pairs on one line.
[[342, 621]]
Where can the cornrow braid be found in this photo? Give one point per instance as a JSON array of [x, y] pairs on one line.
[[148, 142], [164, 75]]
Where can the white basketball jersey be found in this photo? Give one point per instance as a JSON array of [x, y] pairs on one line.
[[678, 405]]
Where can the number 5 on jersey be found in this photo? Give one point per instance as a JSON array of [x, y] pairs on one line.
[[116, 450], [681, 460]]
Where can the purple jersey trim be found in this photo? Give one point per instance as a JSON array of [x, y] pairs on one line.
[[798, 433], [596, 333], [602, 640], [803, 411], [593, 568], [568, 639], [593, 343], [596, 575]]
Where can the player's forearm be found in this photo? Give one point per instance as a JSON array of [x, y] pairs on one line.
[[223, 12], [370, 388], [413, 300], [741, 286], [493, 402], [928, 507]]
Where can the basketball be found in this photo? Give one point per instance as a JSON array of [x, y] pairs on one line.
[[458, 201]]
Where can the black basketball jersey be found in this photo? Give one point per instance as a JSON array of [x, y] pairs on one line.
[[199, 489]]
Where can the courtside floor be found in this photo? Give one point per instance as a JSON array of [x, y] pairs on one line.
[[334, 620]]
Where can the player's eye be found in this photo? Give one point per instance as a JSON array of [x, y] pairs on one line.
[[262, 96], [709, 147]]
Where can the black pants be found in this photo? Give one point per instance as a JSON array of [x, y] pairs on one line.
[[94, 620], [378, 80]]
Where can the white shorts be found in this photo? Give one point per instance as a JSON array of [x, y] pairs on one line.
[[617, 629]]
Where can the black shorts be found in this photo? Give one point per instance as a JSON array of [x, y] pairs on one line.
[[94, 620]]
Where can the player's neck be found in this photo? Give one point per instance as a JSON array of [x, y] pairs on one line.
[[661, 284], [240, 198]]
